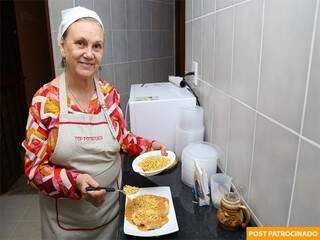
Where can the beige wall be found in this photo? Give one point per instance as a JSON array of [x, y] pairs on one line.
[[259, 85]]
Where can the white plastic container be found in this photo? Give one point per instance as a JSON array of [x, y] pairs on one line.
[[220, 185], [190, 117], [205, 154], [184, 137], [190, 128]]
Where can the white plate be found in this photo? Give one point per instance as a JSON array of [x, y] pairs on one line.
[[170, 227], [137, 160]]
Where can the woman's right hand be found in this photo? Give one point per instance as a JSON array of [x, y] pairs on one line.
[[96, 198]]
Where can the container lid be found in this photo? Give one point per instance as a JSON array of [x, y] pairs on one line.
[[202, 150], [158, 91]]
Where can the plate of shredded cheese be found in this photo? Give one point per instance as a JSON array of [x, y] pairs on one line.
[[152, 163], [150, 213]]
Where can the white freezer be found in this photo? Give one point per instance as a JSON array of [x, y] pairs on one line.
[[154, 110]]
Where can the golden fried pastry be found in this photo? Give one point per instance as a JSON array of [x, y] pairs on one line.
[[147, 212]]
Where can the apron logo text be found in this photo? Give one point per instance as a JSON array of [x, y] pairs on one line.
[[88, 139]]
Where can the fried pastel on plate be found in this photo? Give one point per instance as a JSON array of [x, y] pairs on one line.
[[147, 212]]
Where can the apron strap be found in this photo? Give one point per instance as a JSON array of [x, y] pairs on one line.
[[92, 228], [82, 229], [63, 95], [104, 108], [64, 105]]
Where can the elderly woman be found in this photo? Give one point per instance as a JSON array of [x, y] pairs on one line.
[[75, 133]]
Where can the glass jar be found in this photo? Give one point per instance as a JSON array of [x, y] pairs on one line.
[[232, 215]]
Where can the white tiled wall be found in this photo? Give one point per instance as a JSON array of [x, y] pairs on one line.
[[260, 87], [138, 34]]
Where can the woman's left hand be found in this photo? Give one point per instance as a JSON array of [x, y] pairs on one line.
[[158, 146]]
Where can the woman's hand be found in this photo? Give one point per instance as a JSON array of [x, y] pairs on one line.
[[96, 198], [158, 146]]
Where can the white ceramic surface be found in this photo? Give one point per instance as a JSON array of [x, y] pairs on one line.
[[272, 172], [223, 49], [246, 53], [137, 160], [305, 206], [240, 146], [311, 128], [285, 56]]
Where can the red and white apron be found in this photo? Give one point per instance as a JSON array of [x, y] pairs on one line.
[[85, 143]]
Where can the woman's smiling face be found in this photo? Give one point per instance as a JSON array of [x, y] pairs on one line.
[[82, 47]]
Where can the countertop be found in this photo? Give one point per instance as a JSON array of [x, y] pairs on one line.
[[194, 222]]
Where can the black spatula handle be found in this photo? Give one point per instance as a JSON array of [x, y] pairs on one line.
[[107, 189]]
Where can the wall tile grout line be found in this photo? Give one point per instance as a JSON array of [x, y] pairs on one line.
[[140, 30], [203, 16], [264, 115], [214, 45], [174, 38], [151, 27], [134, 61], [257, 100], [213, 61], [255, 218], [230, 87], [294, 137], [126, 37], [304, 108], [309, 66], [191, 9], [142, 60], [159, 1], [216, 11], [202, 28], [191, 37], [111, 39], [126, 19]]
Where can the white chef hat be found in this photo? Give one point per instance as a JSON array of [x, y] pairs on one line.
[[71, 15]]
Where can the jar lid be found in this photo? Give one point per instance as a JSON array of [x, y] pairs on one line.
[[231, 201], [202, 150]]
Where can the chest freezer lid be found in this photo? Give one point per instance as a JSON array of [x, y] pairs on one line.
[[158, 91]]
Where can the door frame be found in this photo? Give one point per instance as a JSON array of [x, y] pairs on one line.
[[180, 37]]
